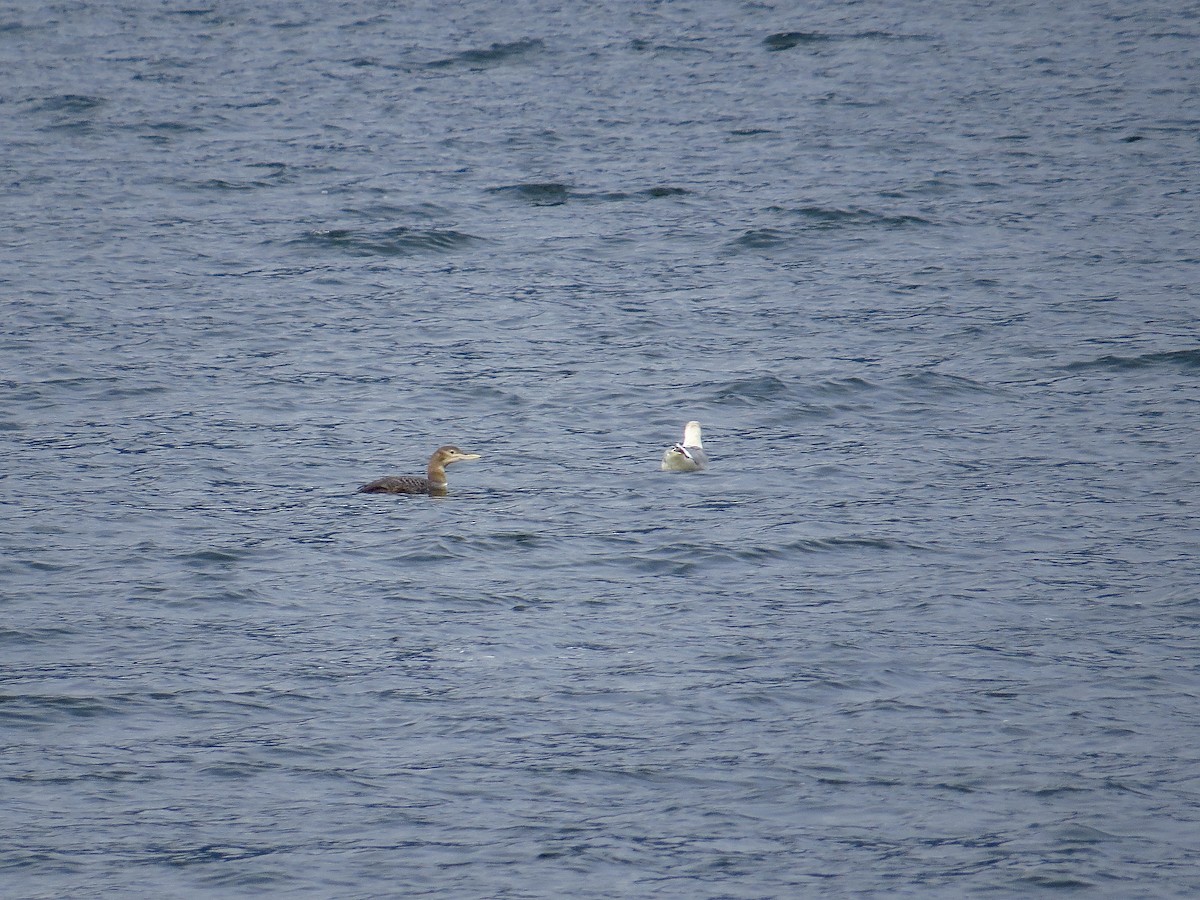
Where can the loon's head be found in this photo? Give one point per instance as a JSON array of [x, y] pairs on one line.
[[451, 454]]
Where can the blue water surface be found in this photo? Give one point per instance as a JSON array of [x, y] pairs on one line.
[[926, 273]]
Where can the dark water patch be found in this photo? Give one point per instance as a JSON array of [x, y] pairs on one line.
[[391, 211], [43, 566], [554, 193], [641, 45], [208, 854], [1057, 882], [502, 541], [773, 389], [165, 132], [198, 12], [854, 544], [763, 389], [496, 54], [418, 555], [842, 387], [7, 28], [171, 77], [20, 637], [697, 554], [220, 184], [67, 104], [68, 112], [275, 174], [929, 187], [1188, 360], [676, 564], [273, 170], [835, 217], [222, 558], [759, 552], [924, 383], [399, 241], [537, 193], [760, 239], [657, 192], [253, 104], [30, 708], [819, 219], [654, 193], [786, 40]]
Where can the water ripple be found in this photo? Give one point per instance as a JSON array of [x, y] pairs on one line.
[[495, 54], [553, 193], [398, 241], [1182, 359]]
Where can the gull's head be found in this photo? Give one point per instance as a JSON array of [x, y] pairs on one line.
[[678, 458], [680, 453]]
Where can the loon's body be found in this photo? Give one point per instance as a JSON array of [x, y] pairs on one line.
[[434, 481], [688, 456]]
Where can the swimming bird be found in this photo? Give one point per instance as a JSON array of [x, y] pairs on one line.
[[434, 481], [688, 456]]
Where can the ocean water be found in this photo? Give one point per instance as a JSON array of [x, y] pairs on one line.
[[928, 626]]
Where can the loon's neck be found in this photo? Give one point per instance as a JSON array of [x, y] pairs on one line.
[[436, 473]]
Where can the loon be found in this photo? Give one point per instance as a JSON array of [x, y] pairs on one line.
[[688, 456], [434, 481]]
